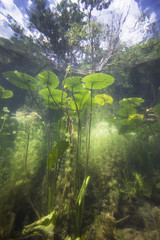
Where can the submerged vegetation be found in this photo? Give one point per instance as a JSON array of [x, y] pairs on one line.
[[79, 157], [66, 166]]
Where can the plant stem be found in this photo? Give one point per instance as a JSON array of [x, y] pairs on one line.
[[2, 125]]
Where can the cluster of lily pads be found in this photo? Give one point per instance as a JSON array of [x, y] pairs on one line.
[[55, 98], [130, 120], [72, 97], [75, 95]]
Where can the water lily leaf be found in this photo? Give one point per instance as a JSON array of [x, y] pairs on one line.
[[102, 99], [73, 83], [136, 116], [50, 104], [81, 100], [5, 93], [48, 79], [57, 151], [97, 80], [55, 94], [131, 102], [126, 111], [21, 80], [136, 119]]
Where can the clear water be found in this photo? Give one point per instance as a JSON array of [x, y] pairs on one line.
[[80, 125]]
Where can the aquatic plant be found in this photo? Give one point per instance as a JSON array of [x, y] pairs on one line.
[[76, 98], [43, 227], [130, 120], [5, 93]]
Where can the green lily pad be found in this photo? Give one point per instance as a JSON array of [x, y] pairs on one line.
[[48, 79], [131, 102], [73, 83], [55, 94], [102, 99], [136, 119], [50, 104], [97, 80], [5, 93], [81, 100], [21, 80], [126, 111]]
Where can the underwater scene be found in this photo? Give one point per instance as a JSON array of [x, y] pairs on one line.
[[79, 120]]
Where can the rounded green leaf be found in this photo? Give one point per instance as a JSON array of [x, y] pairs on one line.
[[136, 118], [55, 94], [5, 93], [131, 102], [97, 80], [102, 99], [50, 104], [21, 80], [81, 100], [48, 79], [73, 83], [126, 111]]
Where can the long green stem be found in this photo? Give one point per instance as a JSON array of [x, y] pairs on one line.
[[34, 99], [88, 136], [2, 125]]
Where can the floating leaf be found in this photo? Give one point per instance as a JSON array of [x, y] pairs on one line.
[[131, 102], [97, 81], [48, 79], [21, 80], [101, 99], [134, 123], [136, 116], [81, 100], [57, 151], [5, 93], [73, 83], [55, 94], [136, 119], [51, 104], [126, 111]]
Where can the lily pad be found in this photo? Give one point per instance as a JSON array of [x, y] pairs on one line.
[[81, 100], [55, 94], [51, 104], [48, 79], [102, 99], [131, 102], [126, 111], [136, 119], [21, 80], [5, 93], [73, 83], [97, 80]]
